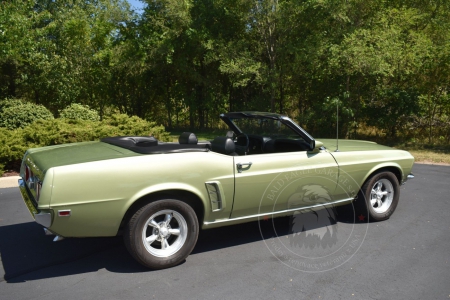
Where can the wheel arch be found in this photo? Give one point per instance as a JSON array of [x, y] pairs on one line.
[[395, 169], [188, 197]]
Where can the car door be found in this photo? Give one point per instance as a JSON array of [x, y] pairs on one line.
[[276, 182]]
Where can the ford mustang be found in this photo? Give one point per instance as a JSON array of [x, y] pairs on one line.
[[158, 195]]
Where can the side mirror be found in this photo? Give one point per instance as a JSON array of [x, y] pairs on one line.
[[315, 146], [318, 144]]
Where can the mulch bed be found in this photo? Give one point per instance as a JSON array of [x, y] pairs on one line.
[[10, 173]]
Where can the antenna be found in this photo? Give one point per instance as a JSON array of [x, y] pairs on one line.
[[337, 125]]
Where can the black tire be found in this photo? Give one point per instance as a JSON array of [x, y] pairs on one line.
[[152, 253], [379, 196]]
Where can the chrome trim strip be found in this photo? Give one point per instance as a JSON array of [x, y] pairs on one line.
[[215, 195], [279, 212], [45, 219]]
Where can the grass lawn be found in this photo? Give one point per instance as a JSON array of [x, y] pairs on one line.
[[431, 156]]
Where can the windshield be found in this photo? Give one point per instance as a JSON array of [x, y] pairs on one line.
[[264, 127]]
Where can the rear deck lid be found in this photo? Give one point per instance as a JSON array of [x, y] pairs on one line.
[[68, 154]]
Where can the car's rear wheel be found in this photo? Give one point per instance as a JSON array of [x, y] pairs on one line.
[[162, 234], [379, 196]]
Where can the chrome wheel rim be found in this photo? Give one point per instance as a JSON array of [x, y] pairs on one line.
[[381, 195], [164, 233]]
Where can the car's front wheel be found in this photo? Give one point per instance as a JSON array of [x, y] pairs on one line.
[[379, 196], [162, 234]]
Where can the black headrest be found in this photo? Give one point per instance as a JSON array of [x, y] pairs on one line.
[[223, 144], [187, 138]]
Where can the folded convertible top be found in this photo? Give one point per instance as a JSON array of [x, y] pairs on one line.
[[150, 145]]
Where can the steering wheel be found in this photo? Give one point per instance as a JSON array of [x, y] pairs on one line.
[[239, 138]]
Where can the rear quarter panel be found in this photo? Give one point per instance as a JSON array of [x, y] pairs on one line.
[[99, 193]]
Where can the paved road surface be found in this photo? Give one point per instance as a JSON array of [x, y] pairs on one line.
[[406, 257]]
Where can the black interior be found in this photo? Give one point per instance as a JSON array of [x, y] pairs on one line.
[[284, 145], [188, 142], [257, 145], [188, 138], [224, 145]]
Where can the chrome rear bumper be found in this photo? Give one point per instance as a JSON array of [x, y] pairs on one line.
[[43, 218]]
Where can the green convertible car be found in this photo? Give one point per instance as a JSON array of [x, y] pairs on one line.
[[159, 195]]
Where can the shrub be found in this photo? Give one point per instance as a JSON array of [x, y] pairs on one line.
[[8, 102], [18, 114], [60, 131], [125, 125], [12, 148], [14, 143], [77, 111]]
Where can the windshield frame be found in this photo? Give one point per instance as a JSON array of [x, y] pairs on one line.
[[229, 117]]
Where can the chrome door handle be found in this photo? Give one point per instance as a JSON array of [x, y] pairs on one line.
[[240, 166]]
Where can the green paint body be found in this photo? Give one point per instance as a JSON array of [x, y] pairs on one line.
[[99, 182]]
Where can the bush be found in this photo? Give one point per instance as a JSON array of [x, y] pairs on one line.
[[14, 143], [8, 102], [61, 131], [17, 114], [12, 148], [125, 125], [77, 111]]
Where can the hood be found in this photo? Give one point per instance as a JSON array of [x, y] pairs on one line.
[[352, 145], [68, 154]]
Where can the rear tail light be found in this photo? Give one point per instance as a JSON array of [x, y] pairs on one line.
[[27, 173], [33, 182]]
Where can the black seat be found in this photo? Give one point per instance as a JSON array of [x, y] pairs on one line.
[[188, 138], [224, 145]]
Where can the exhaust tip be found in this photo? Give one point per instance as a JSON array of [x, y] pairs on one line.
[[48, 232], [58, 238]]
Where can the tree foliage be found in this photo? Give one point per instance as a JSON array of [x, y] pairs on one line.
[[182, 62]]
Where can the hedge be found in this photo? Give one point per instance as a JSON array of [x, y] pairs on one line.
[[14, 143]]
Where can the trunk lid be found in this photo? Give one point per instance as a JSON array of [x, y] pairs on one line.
[[68, 154]]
